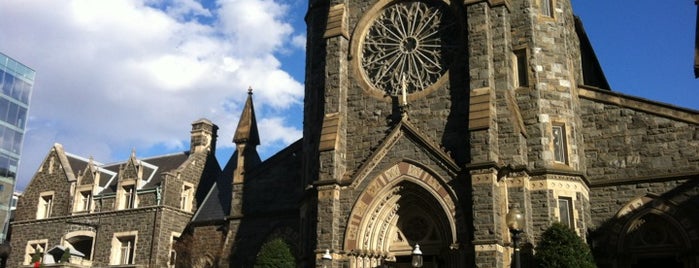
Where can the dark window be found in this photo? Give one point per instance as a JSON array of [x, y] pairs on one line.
[[521, 68]]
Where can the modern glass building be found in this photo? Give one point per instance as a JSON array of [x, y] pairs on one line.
[[16, 82]]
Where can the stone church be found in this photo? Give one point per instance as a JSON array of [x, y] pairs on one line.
[[426, 122]]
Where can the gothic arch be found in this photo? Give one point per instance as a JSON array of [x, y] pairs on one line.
[[402, 206], [652, 231]]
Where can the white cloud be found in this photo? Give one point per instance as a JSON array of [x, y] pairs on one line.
[[299, 41], [254, 25], [119, 74]]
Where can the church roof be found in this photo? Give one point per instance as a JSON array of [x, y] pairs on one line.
[[593, 75], [152, 167], [217, 204]]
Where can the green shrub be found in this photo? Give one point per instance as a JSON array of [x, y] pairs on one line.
[[65, 258], [561, 247], [275, 254]]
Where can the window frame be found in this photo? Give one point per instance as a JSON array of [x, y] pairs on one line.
[[520, 67], [559, 142], [570, 220], [45, 206], [127, 196], [549, 5], [186, 196], [30, 247], [79, 205], [172, 261], [69, 240], [117, 250]]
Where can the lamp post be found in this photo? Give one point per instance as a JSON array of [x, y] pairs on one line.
[[417, 256], [515, 222], [327, 259]]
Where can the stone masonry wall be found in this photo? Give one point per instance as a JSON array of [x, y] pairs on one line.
[[623, 144], [50, 177], [607, 201]]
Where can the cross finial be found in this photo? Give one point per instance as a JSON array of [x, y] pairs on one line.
[[250, 90]]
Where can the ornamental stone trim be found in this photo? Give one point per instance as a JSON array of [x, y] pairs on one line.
[[403, 171], [490, 247]]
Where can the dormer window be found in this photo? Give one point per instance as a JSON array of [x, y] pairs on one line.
[[127, 197], [86, 200], [83, 201]]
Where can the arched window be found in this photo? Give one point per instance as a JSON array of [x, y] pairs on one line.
[[82, 242]]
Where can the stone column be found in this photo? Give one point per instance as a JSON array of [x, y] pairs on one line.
[[488, 219]]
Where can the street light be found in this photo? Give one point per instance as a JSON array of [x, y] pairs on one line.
[[417, 256], [327, 259], [515, 222]]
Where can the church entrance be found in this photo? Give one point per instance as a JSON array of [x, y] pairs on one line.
[[654, 240], [430, 261], [407, 210]]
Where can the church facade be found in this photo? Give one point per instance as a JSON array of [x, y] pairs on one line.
[[425, 122]]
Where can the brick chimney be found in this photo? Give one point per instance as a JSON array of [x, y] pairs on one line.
[[203, 136]]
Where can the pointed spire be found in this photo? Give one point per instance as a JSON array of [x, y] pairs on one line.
[[247, 125]]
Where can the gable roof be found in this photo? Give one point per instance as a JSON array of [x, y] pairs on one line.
[[592, 70], [217, 203], [152, 168], [407, 129]]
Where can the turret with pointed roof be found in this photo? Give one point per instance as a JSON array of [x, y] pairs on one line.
[[246, 138]]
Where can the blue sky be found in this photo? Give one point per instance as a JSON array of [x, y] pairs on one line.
[[117, 75], [645, 49]]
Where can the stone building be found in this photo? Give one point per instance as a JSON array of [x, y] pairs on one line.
[[123, 214], [425, 121]]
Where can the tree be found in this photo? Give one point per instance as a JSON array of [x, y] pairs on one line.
[[561, 247], [65, 257], [275, 254]]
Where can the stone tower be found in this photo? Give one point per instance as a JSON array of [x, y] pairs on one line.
[[426, 120]]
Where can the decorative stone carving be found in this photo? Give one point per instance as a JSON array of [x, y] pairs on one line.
[[411, 44]]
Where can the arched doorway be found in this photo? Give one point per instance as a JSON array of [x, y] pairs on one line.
[[655, 240], [418, 220], [403, 207], [653, 232]]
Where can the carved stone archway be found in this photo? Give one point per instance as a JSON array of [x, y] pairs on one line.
[[654, 234], [403, 206]]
